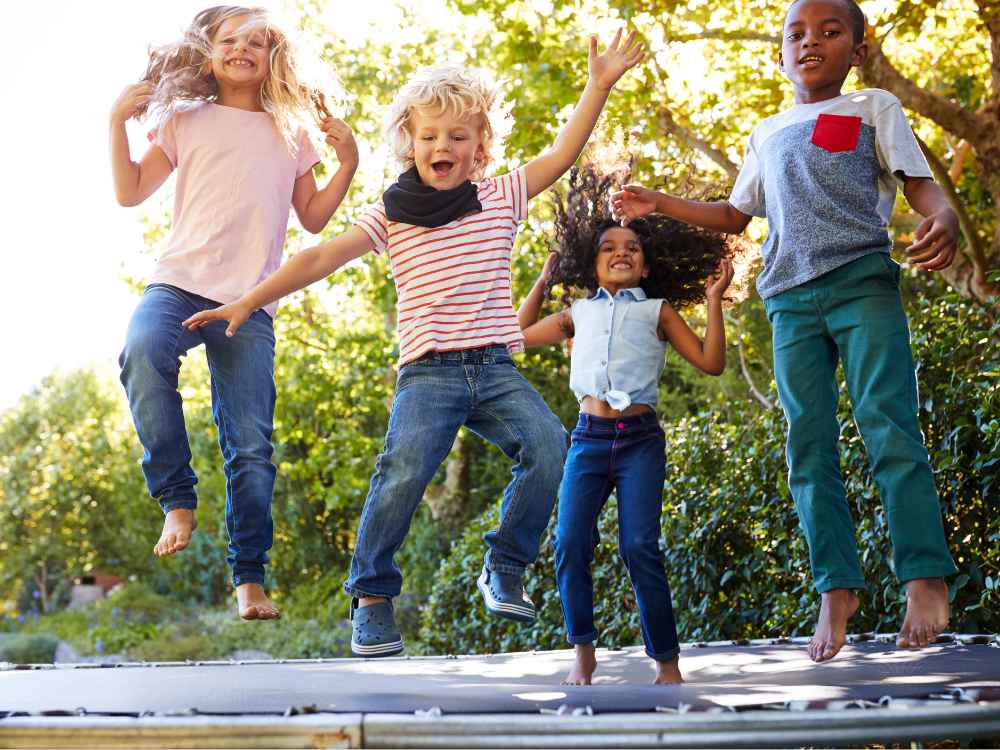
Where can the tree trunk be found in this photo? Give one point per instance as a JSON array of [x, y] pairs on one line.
[[449, 502], [980, 130]]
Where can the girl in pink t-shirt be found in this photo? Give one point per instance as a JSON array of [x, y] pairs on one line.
[[227, 95]]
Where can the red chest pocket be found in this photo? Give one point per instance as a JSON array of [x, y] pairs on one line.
[[837, 132]]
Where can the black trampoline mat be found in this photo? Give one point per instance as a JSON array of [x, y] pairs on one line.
[[728, 676]]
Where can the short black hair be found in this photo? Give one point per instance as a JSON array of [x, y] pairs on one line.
[[858, 21]]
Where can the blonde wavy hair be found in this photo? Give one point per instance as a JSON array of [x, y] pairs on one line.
[[455, 89], [181, 72]]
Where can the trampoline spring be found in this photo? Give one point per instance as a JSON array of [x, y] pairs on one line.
[[740, 642], [971, 640], [722, 710], [861, 637], [567, 710], [682, 708]]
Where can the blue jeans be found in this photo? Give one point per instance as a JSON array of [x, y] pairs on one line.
[[625, 454], [854, 314], [435, 395], [242, 372]]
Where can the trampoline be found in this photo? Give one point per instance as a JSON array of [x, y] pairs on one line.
[[737, 694]]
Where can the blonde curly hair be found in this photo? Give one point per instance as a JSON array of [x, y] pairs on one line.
[[181, 71], [464, 92]]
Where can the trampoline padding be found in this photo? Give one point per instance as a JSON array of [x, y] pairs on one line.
[[731, 677]]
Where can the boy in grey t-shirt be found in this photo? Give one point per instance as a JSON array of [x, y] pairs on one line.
[[824, 173]]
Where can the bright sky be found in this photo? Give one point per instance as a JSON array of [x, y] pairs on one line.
[[67, 240]]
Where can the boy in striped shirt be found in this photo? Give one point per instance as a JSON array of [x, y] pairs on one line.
[[449, 232]]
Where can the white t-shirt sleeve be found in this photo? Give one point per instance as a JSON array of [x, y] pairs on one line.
[[748, 192], [513, 186], [373, 222], [165, 136], [897, 147], [307, 157]]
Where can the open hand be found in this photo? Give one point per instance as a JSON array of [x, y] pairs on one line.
[[632, 202], [235, 313], [131, 101], [339, 135], [936, 243], [719, 282], [605, 69]]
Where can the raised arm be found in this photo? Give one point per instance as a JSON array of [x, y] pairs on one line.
[[527, 313], [134, 182], [605, 70], [300, 271], [634, 201], [551, 329], [937, 235], [709, 355], [314, 207]]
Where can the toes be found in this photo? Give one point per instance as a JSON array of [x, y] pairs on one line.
[[250, 613], [903, 640]]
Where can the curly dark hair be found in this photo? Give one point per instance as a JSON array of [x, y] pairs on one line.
[[680, 257]]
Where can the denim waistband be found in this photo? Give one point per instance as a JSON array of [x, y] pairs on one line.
[[481, 355], [634, 423]]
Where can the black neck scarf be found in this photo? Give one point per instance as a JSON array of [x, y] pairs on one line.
[[410, 201]]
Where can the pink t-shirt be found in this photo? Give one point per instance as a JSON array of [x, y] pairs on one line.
[[235, 177]]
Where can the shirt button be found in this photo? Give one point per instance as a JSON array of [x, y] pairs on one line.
[[607, 332], [604, 361]]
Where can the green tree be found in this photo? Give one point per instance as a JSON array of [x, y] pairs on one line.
[[70, 488]]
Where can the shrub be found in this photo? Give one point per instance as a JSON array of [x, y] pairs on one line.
[[28, 649]]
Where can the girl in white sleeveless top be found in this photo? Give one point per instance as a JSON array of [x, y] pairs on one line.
[[634, 278]]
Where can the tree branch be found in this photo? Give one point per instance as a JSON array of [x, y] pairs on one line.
[[726, 36], [990, 12], [687, 136], [764, 400], [974, 243], [879, 72]]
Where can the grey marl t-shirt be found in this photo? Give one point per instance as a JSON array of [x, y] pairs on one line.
[[825, 176]]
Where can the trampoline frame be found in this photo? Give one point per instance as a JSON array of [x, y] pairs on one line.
[[956, 714]]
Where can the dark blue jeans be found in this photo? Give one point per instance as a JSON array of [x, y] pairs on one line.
[[242, 372], [435, 395], [626, 455]]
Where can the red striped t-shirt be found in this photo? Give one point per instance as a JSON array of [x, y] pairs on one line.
[[453, 281]]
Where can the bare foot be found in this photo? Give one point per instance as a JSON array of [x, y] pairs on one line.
[[177, 528], [583, 667], [838, 606], [254, 604], [926, 612], [668, 673]]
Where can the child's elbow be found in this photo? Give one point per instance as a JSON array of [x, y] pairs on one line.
[[313, 227], [715, 369]]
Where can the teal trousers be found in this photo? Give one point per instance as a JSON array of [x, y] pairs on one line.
[[854, 314]]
